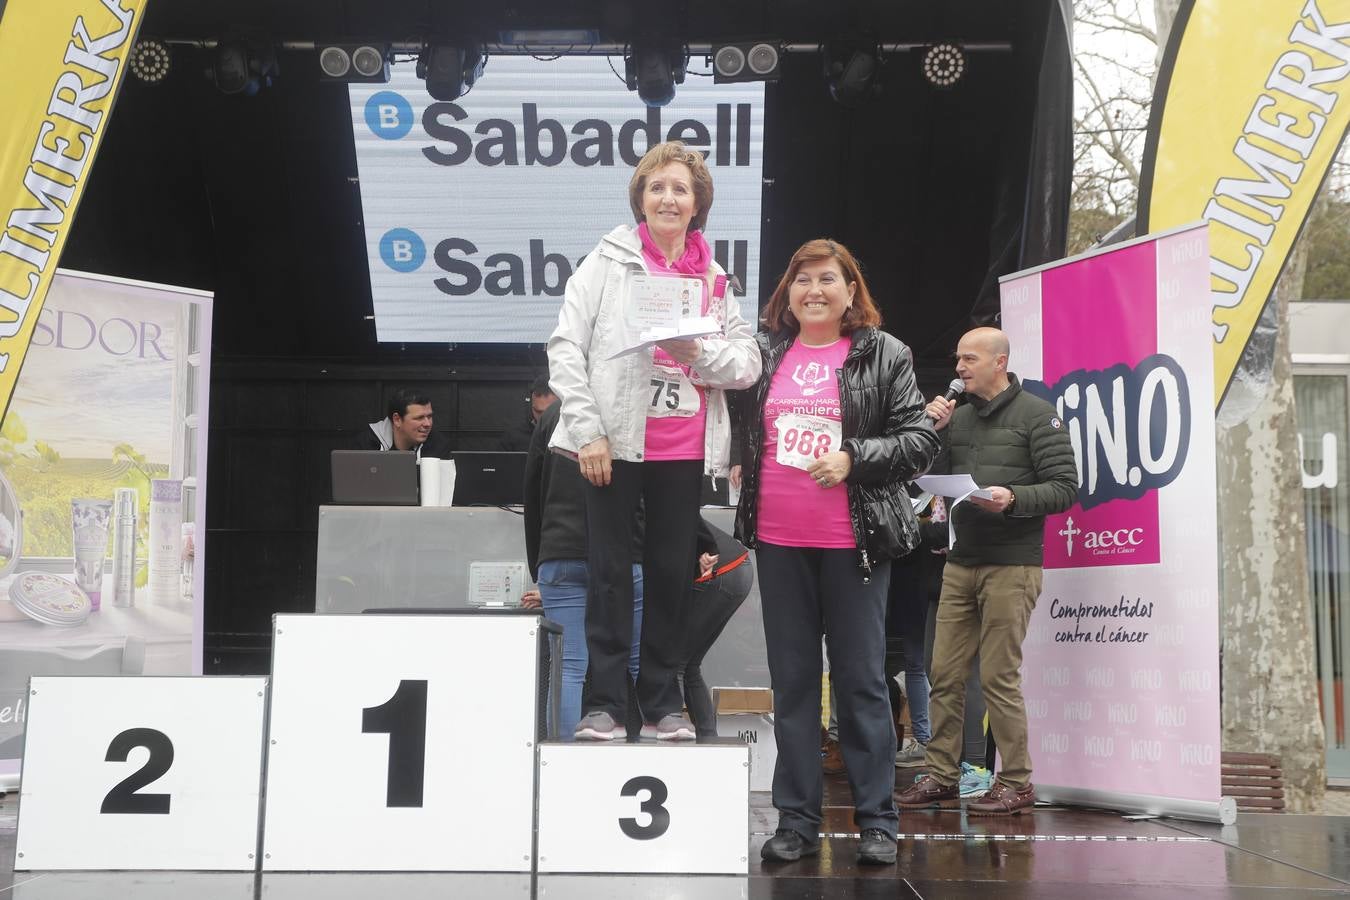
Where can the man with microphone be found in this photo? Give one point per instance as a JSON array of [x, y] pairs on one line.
[[1014, 445]]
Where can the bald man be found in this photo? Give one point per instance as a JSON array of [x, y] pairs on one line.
[[1013, 444]]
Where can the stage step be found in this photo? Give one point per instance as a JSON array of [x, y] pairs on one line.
[[646, 807]]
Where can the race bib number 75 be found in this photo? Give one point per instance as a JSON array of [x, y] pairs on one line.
[[672, 394], [804, 439]]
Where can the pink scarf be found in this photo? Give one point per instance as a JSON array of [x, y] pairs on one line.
[[696, 256]]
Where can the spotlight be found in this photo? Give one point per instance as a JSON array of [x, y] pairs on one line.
[[450, 70], [242, 67], [944, 64], [851, 69], [653, 68], [334, 62], [728, 61], [370, 62], [355, 63], [150, 61], [745, 61]]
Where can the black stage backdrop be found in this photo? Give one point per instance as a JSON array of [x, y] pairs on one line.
[[255, 199]]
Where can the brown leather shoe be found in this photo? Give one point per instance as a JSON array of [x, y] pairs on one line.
[[1004, 800], [832, 762], [928, 792]]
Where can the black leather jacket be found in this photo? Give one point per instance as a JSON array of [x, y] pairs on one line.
[[885, 430]]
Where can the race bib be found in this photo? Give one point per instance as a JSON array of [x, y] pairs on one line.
[[804, 439], [672, 394]]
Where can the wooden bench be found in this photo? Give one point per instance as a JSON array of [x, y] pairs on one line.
[[1254, 780]]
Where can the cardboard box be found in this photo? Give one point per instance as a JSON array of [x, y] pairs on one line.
[[742, 700], [746, 714]]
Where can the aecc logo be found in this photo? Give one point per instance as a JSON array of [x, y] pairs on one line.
[[1109, 540]]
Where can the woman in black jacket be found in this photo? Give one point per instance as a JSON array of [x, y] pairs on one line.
[[833, 430]]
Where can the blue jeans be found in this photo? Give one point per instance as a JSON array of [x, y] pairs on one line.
[[562, 589]]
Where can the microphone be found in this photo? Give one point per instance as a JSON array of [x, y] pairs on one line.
[[955, 389]]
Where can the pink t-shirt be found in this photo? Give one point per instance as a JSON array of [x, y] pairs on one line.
[[794, 511], [672, 436]]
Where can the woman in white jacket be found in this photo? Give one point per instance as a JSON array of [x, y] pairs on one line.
[[644, 428]]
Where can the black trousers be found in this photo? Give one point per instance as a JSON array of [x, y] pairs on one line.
[[807, 592], [669, 495], [713, 604]]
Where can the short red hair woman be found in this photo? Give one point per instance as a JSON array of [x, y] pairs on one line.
[[833, 430]]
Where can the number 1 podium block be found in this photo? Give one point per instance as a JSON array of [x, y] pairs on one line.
[[402, 743], [644, 808], [141, 773]]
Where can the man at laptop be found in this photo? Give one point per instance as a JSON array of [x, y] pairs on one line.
[[407, 427]]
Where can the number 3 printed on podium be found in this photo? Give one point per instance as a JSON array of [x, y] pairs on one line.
[[660, 816]]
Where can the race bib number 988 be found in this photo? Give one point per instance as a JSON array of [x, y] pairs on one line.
[[804, 439]]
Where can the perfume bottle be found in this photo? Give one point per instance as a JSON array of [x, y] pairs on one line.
[[189, 557], [124, 548], [166, 527]]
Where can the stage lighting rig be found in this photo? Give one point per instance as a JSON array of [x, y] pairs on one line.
[[242, 67], [450, 70], [944, 64], [851, 70], [150, 61], [653, 67], [746, 61], [368, 63]]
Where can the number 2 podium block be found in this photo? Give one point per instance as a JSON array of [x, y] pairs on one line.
[[141, 773], [644, 808], [402, 743]]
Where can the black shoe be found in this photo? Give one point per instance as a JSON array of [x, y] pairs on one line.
[[787, 845], [877, 848]]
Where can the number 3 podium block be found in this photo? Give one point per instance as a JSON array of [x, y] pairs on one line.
[[141, 773], [402, 743], [644, 808]]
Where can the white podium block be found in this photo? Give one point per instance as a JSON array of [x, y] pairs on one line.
[[402, 743], [141, 773], [644, 808], [393, 886], [644, 887]]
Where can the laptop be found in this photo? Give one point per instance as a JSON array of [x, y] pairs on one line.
[[489, 478], [374, 477]]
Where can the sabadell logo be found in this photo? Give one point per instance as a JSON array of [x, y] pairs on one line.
[[389, 115], [402, 250]]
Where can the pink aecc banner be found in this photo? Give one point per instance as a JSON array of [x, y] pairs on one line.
[[1121, 669]]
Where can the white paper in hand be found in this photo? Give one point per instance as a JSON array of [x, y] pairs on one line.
[[662, 308], [958, 487]]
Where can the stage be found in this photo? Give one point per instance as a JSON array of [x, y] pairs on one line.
[[1053, 853]]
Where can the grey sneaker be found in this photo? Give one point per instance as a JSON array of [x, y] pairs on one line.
[[911, 753], [674, 727], [599, 726]]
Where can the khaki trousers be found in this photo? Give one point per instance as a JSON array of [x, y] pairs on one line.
[[983, 609]]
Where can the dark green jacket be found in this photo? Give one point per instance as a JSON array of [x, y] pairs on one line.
[[1017, 441]]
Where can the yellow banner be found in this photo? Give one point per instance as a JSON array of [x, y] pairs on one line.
[[1252, 103], [61, 62]]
